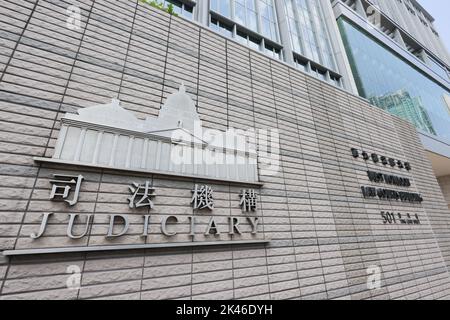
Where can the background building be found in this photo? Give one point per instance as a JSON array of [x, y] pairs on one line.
[[393, 46], [381, 47], [389, 46], [294, 66]]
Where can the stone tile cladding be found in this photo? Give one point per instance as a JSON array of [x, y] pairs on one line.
[[324, 234]]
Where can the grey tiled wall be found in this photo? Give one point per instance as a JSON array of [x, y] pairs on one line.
[[324, 234], [444, 183]]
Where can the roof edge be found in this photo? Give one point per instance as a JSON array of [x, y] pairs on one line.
[[424, 11]]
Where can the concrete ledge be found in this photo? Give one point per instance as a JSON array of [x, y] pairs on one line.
[[25, 252], [435, 144]]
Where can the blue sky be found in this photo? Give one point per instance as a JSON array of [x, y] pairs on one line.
[[440, 10]]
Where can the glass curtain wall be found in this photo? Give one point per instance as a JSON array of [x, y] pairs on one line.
[[254, 23], [438, 68], [256, 16], [309, 36], [395, 85]]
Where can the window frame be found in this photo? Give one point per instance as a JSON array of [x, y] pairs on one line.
[[258, 11]]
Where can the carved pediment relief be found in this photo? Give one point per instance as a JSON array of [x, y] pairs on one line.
[[179, 112], [110, 115], [110, 136]]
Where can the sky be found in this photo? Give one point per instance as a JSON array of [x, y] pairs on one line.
[[440, 10]]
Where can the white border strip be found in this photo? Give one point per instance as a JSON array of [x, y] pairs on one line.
[[155, 172]]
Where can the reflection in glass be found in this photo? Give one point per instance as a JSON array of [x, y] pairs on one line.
[[393, 84], [438, 68], [446, 98], [403, 105]]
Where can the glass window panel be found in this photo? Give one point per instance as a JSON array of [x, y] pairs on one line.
[[309, 36], [222, 6], [242, 37], [268, 19], [266, 30], [226, 29], [240, 16], [438, 68], [254, 43], [252, 20], [180, 8], [255, 15], [188, 12], [214, 24], [277, 54], [395, 85]]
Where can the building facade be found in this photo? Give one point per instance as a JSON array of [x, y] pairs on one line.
[[400, 64], [119, 180]]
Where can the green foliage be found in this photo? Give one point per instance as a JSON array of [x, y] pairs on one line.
[[159, 5], [170, 9]]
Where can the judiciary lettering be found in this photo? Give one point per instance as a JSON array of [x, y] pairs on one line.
[[119, 225], [141, 196]]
